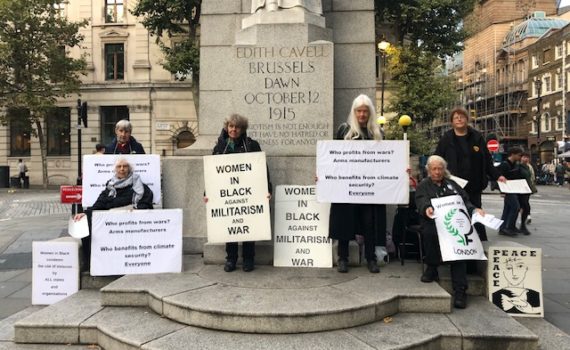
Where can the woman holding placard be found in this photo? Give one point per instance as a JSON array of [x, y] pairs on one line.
[[346, 219], [437, 185], [233, 139], [124, 190]]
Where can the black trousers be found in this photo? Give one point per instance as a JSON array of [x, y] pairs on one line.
[[366, 223], [248, 251], [432, 256], [525, 206]]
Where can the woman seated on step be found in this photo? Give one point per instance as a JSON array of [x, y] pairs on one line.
[[438, 184], [125, 190]]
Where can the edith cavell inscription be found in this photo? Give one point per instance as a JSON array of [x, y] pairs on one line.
[[287, 93]]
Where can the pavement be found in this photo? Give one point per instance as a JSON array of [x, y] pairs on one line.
[[36, 214]]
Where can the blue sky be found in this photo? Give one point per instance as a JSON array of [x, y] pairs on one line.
[[564, 3]]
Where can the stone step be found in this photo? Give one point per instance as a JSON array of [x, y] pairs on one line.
[[480, 326], [278, 300]]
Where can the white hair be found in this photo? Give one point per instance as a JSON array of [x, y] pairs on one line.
[[355, 129], [438, 159], [124, 160], [124, 124]]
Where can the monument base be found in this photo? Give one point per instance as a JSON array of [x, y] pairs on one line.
[[293, 15]]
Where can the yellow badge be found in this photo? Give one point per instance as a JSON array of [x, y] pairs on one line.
[[476, 148]]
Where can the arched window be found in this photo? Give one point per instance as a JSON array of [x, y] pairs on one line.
[[185, 139]]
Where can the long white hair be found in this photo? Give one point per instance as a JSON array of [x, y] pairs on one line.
[[437, 159], [371, 126]]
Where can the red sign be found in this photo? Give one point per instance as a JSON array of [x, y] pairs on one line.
[[71, 194], [493, 145]]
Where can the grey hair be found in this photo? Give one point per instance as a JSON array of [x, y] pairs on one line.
[[124, 160], [371, 126], [124, 124], [439, 159], [238, 120]]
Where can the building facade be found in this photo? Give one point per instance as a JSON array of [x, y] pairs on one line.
[[124, 80]]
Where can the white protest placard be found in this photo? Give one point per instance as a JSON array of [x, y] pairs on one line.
[[515, 280], [237, 207], [55, 271], [78, 229], [136, 242], [98, 169], [461, 182], [372, 172], [514, 186], [458, 239], [301, 228]]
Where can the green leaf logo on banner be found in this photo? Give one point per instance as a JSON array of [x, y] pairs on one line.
[[451, 229]]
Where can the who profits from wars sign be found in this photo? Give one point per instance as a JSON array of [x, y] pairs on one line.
[[458, 239], [301, 228], [237, 207], [367, 172]]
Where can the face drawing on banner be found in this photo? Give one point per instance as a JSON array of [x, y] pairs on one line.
[[458, 224], [515, 298]]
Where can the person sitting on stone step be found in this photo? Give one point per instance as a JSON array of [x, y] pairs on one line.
[[437, 184]]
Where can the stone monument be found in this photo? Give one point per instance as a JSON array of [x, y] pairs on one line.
[[293, 68]]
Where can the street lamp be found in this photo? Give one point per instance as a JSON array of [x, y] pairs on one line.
[[405, 121], [538, 84], [383, 47]]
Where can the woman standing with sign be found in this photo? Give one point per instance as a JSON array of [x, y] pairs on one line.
[[124, 190], [346, 219], [234, 139], [437, 185]]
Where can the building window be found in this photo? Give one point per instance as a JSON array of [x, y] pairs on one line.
[[114, 62], [114, 11], [535, 89], [559, 122], [60, 8], [109, 117], [546, 56], [545, 122], [547, 84], [185, 139], [534, 62], [559, 81], [58, 127], [20, 132], [559, 51]]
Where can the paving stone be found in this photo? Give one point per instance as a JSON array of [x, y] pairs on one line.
[[24, 276], [8, 288], [9, 306], [10, 274], [551, 337], [7, 324], [24, 293]]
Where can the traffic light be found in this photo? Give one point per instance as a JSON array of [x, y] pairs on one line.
[[83, 113]]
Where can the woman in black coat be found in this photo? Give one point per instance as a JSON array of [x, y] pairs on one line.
[[125, 189], [347, 219], [233, 139]]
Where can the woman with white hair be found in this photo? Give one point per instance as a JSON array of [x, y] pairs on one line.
[[124, 189], [347, 219], [438, 184], [124, 142]]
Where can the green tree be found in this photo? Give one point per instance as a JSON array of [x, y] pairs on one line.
[[434, 26], [421, 88], [35, 70], [178, 19]]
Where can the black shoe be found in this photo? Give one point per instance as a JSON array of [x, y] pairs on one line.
[[524, 231], [516, 230], [230, 266], [460, 300], [373, 266], [507, 232], [430, 275], [248, 265], [342, 266]]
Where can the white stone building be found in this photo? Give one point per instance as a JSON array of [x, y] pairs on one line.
[[124, 80]]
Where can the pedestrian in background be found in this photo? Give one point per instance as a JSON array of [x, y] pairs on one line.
[[99, 148], [560, 171], [347, 219], [22, 170], [511, 170], [124, 142], [467, 157], [527, 172]]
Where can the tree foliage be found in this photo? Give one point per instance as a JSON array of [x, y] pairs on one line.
[[178, 20], [421, 88], [35, 70], [434, 26]]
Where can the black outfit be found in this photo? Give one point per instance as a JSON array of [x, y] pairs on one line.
[[511, 171], [123, 198], [427, 190], [242, 145], [524, 198], [132, 147], [468, 158], [348, 219]]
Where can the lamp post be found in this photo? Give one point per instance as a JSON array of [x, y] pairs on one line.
[[405, 121], [538, 84], [383, 46], [381, 120]]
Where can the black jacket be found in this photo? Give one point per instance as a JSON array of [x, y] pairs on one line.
[[427, 190], [345, 220], [510, 170], [124, 197], [479, 158], [242, 145], [133, 147]]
